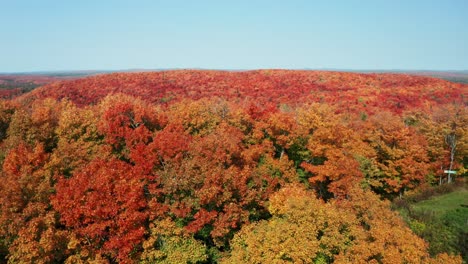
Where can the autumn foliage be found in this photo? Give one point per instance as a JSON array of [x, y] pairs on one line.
[[224, 167]]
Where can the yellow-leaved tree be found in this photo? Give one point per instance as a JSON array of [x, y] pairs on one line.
[[304, 229]]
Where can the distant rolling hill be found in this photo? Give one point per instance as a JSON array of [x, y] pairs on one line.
[[355, 92], [453, 76], [15, 84]]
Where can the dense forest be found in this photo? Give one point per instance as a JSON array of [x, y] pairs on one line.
[[188, 166], [13, 85]]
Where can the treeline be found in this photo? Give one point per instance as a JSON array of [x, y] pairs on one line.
[[348, 92]]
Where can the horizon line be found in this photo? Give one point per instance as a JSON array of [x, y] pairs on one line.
[[90, 71]]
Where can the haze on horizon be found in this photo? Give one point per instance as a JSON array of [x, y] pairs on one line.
[[54, 35]]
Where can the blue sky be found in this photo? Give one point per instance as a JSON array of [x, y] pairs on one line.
[[356, 34]]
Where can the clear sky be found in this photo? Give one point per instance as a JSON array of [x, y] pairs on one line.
[[44, 35]]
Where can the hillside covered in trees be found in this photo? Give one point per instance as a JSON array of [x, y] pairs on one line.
[[268, 166], [13, 85]]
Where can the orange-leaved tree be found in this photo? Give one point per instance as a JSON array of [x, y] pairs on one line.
[[401, 156], [29, 227], [104, 207]]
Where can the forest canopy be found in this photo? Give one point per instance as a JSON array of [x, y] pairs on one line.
[[268, 166]]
